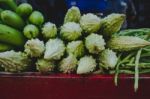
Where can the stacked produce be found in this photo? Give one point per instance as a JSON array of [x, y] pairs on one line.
[[84, 44]]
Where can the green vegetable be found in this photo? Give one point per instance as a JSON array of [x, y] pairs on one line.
[[13, 61], [12, 19], [55, 49], [112, 24], [121, 61], [1, 22], [108, 59], [90, 23], [5, 47], [45, 66], [11, 36], [34, 48], [70, 31], [68, 64], [73, 15], [9, 3], [30, 31], [143, 33], [134, 32], [86, 65], [1, 10], [76, 48], [95, 43], [36, 18], [1, 68], [127, 43], [24, 10], [49, 30], [137, 70]]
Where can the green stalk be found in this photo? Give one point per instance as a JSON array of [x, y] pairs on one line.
[[145, 71], [145, 54], [146, 49], [124, 71], [141, 65], [126, 59], [136, 76], [0, 12], [132, 60]]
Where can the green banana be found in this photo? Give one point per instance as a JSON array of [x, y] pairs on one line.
[[5, 47], [11, 36], [12, 19], [11, 4]]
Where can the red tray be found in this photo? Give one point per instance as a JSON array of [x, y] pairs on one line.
[[62, 86]]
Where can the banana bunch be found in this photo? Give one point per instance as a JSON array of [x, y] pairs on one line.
[[17, 24]]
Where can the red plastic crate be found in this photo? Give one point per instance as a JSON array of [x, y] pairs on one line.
[[63, 86]]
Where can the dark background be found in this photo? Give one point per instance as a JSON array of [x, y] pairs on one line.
[[137, 11]]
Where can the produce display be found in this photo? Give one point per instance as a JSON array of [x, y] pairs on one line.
[[84, 44]]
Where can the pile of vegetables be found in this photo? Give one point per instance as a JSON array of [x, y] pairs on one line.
[[84, 44]]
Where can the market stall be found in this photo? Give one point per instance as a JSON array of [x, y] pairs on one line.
[[86, 56]]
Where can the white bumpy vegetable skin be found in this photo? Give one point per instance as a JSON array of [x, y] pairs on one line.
[[49, 30], [76, 48], [95, 43], [86, 65], [45, 66], [73, 15], [70, 31], [108, 59], [55, 49], [90, 23], [112, 24], [126, 43], [34, 48], [13, 61], [68, 64]]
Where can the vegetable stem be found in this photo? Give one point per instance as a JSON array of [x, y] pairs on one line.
[[118, 65], [136, 83]]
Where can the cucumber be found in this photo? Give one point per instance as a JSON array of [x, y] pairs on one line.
[[11, 4], [24, 9], [5, 47], [11, 36], [12, 19], [36, 18]]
